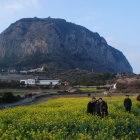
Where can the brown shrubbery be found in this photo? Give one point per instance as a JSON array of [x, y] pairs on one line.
[[133, 86], [122, 85]]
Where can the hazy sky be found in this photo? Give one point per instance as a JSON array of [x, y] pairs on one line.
[[118, 21]]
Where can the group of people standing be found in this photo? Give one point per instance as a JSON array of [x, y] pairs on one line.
[[100, 108], [97, 107]]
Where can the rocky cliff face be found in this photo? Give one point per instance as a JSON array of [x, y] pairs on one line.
[[57, 44]]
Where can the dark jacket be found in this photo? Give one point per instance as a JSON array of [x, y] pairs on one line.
[[98, 109], [138, 98], [103, 106], [127, 102], [91, 107]]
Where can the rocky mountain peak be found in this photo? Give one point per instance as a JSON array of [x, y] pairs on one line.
[[58, 44]]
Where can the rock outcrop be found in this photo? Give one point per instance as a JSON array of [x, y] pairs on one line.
[[59, 45]]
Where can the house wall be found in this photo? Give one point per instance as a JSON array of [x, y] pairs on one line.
[[40, 82], [31, 81], [48, 82], [28, 81]]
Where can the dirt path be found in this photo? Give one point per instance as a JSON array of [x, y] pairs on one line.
[[37, 99], [41, 100], [26, 101]]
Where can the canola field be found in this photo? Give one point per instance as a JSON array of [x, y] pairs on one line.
[[66, 118]]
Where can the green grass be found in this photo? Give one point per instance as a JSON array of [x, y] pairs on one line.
[[90, 90]]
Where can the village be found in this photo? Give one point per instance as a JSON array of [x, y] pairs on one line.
[[29, 88]]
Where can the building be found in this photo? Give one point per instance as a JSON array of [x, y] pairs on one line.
[[44, 82], [28, 82], [40, 82]]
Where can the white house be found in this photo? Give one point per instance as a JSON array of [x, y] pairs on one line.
[[28, 82], [48, 82], [40, 82]]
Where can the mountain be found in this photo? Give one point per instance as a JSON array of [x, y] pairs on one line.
[[58, 45]]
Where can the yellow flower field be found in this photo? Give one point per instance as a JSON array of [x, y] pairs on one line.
[[66, 118]]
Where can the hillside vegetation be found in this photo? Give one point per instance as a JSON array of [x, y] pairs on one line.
[[129, 85], [83, 77], [66, 118]]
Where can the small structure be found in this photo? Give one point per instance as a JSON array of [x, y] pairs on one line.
[[40, 82], [43, 82], [28, 82], [114, 86]]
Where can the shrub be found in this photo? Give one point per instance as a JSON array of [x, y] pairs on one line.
[[8, 97], [9, 84], [121, 85]]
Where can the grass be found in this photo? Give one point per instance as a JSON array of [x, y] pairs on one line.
[[90, 90]]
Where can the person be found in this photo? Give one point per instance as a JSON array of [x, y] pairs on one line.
[[127, 103], [103, 107], [138, 98], [91, 107], [98, 113]]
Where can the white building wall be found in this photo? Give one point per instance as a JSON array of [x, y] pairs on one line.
[[31, 81], [40, 82], [48, 82]]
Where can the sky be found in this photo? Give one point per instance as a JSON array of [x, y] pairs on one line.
[[118, 21]]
